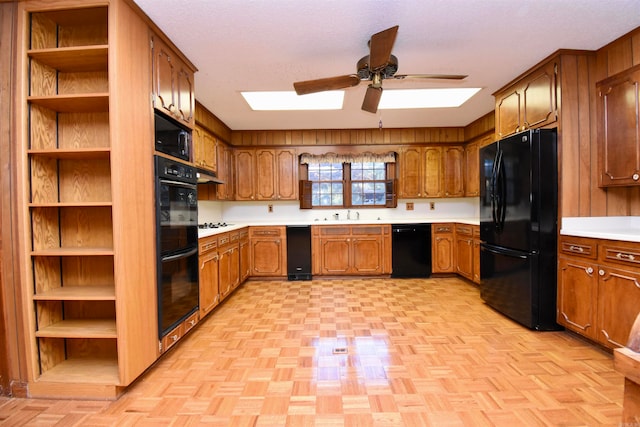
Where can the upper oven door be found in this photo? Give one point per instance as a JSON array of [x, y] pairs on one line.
[[178, 216]]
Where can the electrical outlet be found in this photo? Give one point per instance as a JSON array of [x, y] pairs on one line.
[[432, 206], [270, 208], [409, 206]]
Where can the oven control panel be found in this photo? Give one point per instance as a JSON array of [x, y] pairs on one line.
[[170, 169]]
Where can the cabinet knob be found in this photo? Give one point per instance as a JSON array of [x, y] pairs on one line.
[[601, 272], [635, 176], [590, 270]]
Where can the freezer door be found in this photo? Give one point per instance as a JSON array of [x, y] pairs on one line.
[[506, 203], [508, 283]]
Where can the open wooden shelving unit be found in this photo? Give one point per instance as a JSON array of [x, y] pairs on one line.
[[89, 334]]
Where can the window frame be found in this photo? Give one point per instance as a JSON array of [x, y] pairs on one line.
[[391, 199]]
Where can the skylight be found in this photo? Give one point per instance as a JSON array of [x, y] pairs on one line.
[[289, 100], [425, 98], [333, 100]]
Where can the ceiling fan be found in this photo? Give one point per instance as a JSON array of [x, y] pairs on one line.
[[380, 64]]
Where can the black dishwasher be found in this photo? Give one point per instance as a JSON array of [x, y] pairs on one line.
[[299, 252], [411, 250]]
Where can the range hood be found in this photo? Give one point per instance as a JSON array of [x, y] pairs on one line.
[[205, 177]]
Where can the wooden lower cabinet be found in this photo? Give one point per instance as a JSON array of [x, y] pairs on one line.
[[599, 288], [476, 254], [351, 250], [442, 248], [209, 270], [229, 263], [268, 251], [464, 250], [245, 255]]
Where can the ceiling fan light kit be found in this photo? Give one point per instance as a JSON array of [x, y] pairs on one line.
[[380, 64]]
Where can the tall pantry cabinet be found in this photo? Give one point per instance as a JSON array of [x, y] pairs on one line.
[[85, 162]]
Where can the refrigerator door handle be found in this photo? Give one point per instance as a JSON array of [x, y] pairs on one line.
[[498, 192], [505, 251]]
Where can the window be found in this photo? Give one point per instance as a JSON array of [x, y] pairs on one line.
[[348, 181]]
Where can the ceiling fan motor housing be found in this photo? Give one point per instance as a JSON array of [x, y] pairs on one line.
[[365, 73]]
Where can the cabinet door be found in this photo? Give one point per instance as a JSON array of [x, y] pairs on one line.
[[209, 158], [209, 291], [442, 248], [618, 305], [265, 183], [334, 256], [410, 164], [432, 184], [476, 261], [225, 271], [225, 172], [245, 258], [577, 290], [367, 252], [539, 101], [163, 77], [508, 115], [244, 175], [234, 266], [185, 101], [287, 174], [464, 256], [267, 256], [619, 129], [453, 174], [471, 170]]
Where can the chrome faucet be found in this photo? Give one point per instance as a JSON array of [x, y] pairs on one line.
[[336, 216], [357, 215], [349, 214]]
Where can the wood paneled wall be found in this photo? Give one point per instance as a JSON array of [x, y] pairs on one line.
[[582, 196], [445, 135]]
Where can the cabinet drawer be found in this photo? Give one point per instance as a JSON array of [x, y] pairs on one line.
[[234, 236], [172, 337], [224, 239], [207, 244], [442, 228], [335, 231], [463, 230], [476, 231], [361, 230], [629, 256], [190, 322], [266, 231], [579, 247]]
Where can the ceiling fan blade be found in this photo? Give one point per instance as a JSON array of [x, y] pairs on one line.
[[329, 83], [372, 99], [380, 47], [430, 76]]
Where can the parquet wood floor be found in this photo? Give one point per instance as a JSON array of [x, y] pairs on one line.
[[419, 352]]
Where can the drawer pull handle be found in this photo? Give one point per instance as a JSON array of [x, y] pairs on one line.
[[574, 248], [625, 257], [174, 338]]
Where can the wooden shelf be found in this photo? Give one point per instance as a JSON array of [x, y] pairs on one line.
[[74, 59], [79, 251], [78, 293], [71, 205], [85, 370], [75, 103], [80, 328], [80, 153]]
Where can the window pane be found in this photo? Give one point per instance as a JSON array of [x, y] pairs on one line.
[[379, 199], [380, 175]]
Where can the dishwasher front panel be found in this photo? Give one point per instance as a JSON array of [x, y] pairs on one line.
[[411, 250]]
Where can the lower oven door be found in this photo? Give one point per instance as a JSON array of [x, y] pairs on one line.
[[177, 289]]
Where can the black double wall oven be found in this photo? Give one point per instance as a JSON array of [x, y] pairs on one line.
[[177, 242]]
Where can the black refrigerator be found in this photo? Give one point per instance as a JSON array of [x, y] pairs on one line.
[[518, 227]]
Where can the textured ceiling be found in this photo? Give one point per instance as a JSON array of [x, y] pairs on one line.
[[242, 45]]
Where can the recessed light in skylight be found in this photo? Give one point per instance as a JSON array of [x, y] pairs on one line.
[[425, 98], [289, 100]]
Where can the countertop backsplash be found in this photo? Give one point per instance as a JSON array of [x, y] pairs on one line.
[[257, 212]]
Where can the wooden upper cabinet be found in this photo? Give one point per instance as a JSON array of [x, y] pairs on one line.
[[266, 174], [173, 88], [472, 164], [204, 149], [453, 173], [245, 174], [528, 103], [411, 171], [432, 183], [619, 129]]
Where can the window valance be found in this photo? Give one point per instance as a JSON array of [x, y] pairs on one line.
[[307, 158]]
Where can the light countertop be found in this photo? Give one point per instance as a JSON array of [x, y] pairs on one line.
[[625, 228], [237, 225]]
